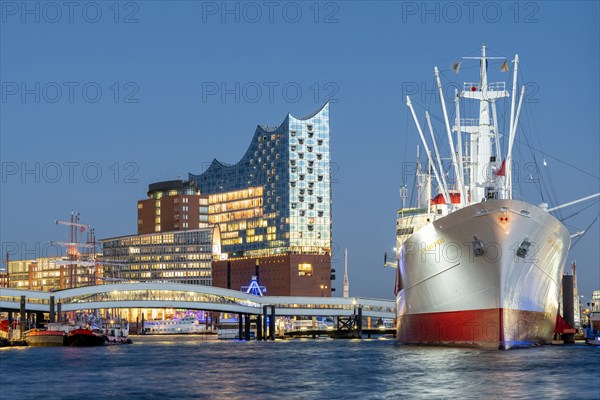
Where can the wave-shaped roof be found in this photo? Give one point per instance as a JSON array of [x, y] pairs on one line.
[[260, 130]]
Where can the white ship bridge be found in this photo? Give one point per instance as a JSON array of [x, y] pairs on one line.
[[196, 297]]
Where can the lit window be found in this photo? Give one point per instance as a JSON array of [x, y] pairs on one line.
[[140, 205], [305, 270]]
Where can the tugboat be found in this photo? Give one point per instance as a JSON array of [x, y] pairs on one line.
[[85, 337], [117, 332]]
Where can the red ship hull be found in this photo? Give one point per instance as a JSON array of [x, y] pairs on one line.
[[476, 328]]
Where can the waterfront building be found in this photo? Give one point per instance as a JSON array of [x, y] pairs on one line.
[[53, 273], [273, 209], [176, 256], [4, 279], [171, 206]]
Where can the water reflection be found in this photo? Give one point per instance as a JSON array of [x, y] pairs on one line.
[[191, 367]]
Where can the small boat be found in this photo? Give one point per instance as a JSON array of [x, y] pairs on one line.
[[41, 337], [117, 332], [84, 337]]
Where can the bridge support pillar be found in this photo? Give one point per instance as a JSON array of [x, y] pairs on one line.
[[240, 327], [359, 322], [265, 316], [52, 316], [39, 319], [259, 330], [272, 324], [23, 317], [247, 327], [59, 312]]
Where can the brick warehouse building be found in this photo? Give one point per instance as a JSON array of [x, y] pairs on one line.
[[273, 209]]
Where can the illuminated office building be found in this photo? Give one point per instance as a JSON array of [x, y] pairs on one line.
[[273, 209], [176, 256], [51, 273]]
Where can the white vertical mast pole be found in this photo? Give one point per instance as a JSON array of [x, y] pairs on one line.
[[514, 93], [459, 143], [508, 181], [496, 133], [511, 141], [429, 166], [449, 132], [444, 185], [412, 110]]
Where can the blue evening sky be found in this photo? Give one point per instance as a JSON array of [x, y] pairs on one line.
[[98, 99]]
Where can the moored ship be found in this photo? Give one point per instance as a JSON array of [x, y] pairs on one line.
[[187, 324], [476, 267], [42, 337], [84, 337]]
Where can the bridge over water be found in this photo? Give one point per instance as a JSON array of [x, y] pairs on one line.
[[194, 297]]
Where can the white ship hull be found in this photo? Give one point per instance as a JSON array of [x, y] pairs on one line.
[[449, 296]]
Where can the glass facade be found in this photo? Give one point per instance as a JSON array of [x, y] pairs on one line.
[[277, 198], [177, 256]]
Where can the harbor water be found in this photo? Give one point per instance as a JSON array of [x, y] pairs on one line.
[[190, 367]]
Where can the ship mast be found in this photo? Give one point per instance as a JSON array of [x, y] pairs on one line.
[[483, 183]]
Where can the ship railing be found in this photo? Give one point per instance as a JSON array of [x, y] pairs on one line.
[[469, 122], [491, 86]]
